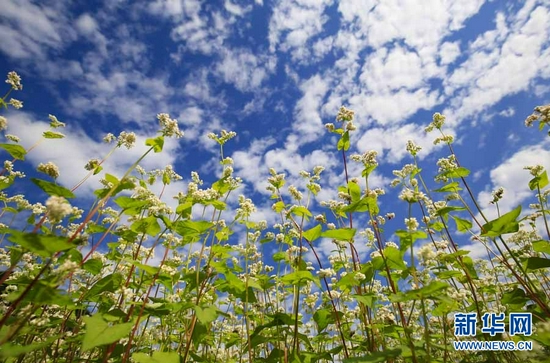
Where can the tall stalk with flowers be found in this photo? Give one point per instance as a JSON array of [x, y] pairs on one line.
[[198, 278]]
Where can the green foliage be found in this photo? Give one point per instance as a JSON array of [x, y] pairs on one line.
[[206, 281], [507, 223], [16, 151], [52, 188], [99, 332]]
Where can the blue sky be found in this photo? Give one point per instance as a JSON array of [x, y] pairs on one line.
[[275, 72]]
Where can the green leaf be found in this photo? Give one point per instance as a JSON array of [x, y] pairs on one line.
[[12, 350], [451, 187], [394, 258], [52, 135], [515, 299], [367, 203], [442, 212], [323, 317], [432, 290], [469, 265], [456, 173], [301, 211], [16, 151], [131, 206], [294, 278], [535, 263], [368, 299], [158, 357], [539, 181], [343, 143], [99, 332], [502, 225], [407, 238], [222, 186], [541, 246], [342, 234], [207, 314], [354, 191], [151, 270], [148, 225], [279, 206], [93, 266], [42, 245], [109, 283], [157, 143], [462, 225], [279, 256], [42, 293], [193, 228], [313, 233], [52, 188]]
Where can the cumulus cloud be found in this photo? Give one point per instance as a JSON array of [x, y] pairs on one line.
[[294, 23], [31, 30], [514, 179], [514, 48], [245, 70]]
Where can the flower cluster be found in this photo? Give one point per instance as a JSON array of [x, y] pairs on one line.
[[169, 126], [14, 80], [49, 169]]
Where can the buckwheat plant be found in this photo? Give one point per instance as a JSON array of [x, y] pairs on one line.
[[141, 276]]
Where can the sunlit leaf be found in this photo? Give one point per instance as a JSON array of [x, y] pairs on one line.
[[43, 245], [99, 332], [313, 233], [157, 143], [462, 225], [502, 225], [52, 188], [539, 181], [342, 234], [16, 151], [344, 143], [158, 357]]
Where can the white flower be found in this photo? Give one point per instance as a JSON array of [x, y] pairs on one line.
[[109, 138], [14, 80], [12, 138], [57, 208], [344, 114], [411, 223], [326, 272], [16, 103], [3, 123], [169, 126], [127, 139], [49, 169]]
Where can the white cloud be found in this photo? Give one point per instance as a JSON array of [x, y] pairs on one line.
[[449, 52], [511, 176], [393, 70], [508, 112], [294, 23], [245, 70], [86, 24], [503, 61], [388, 108], [419, 25], [235, 9], [30, 30], [309, 124]]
